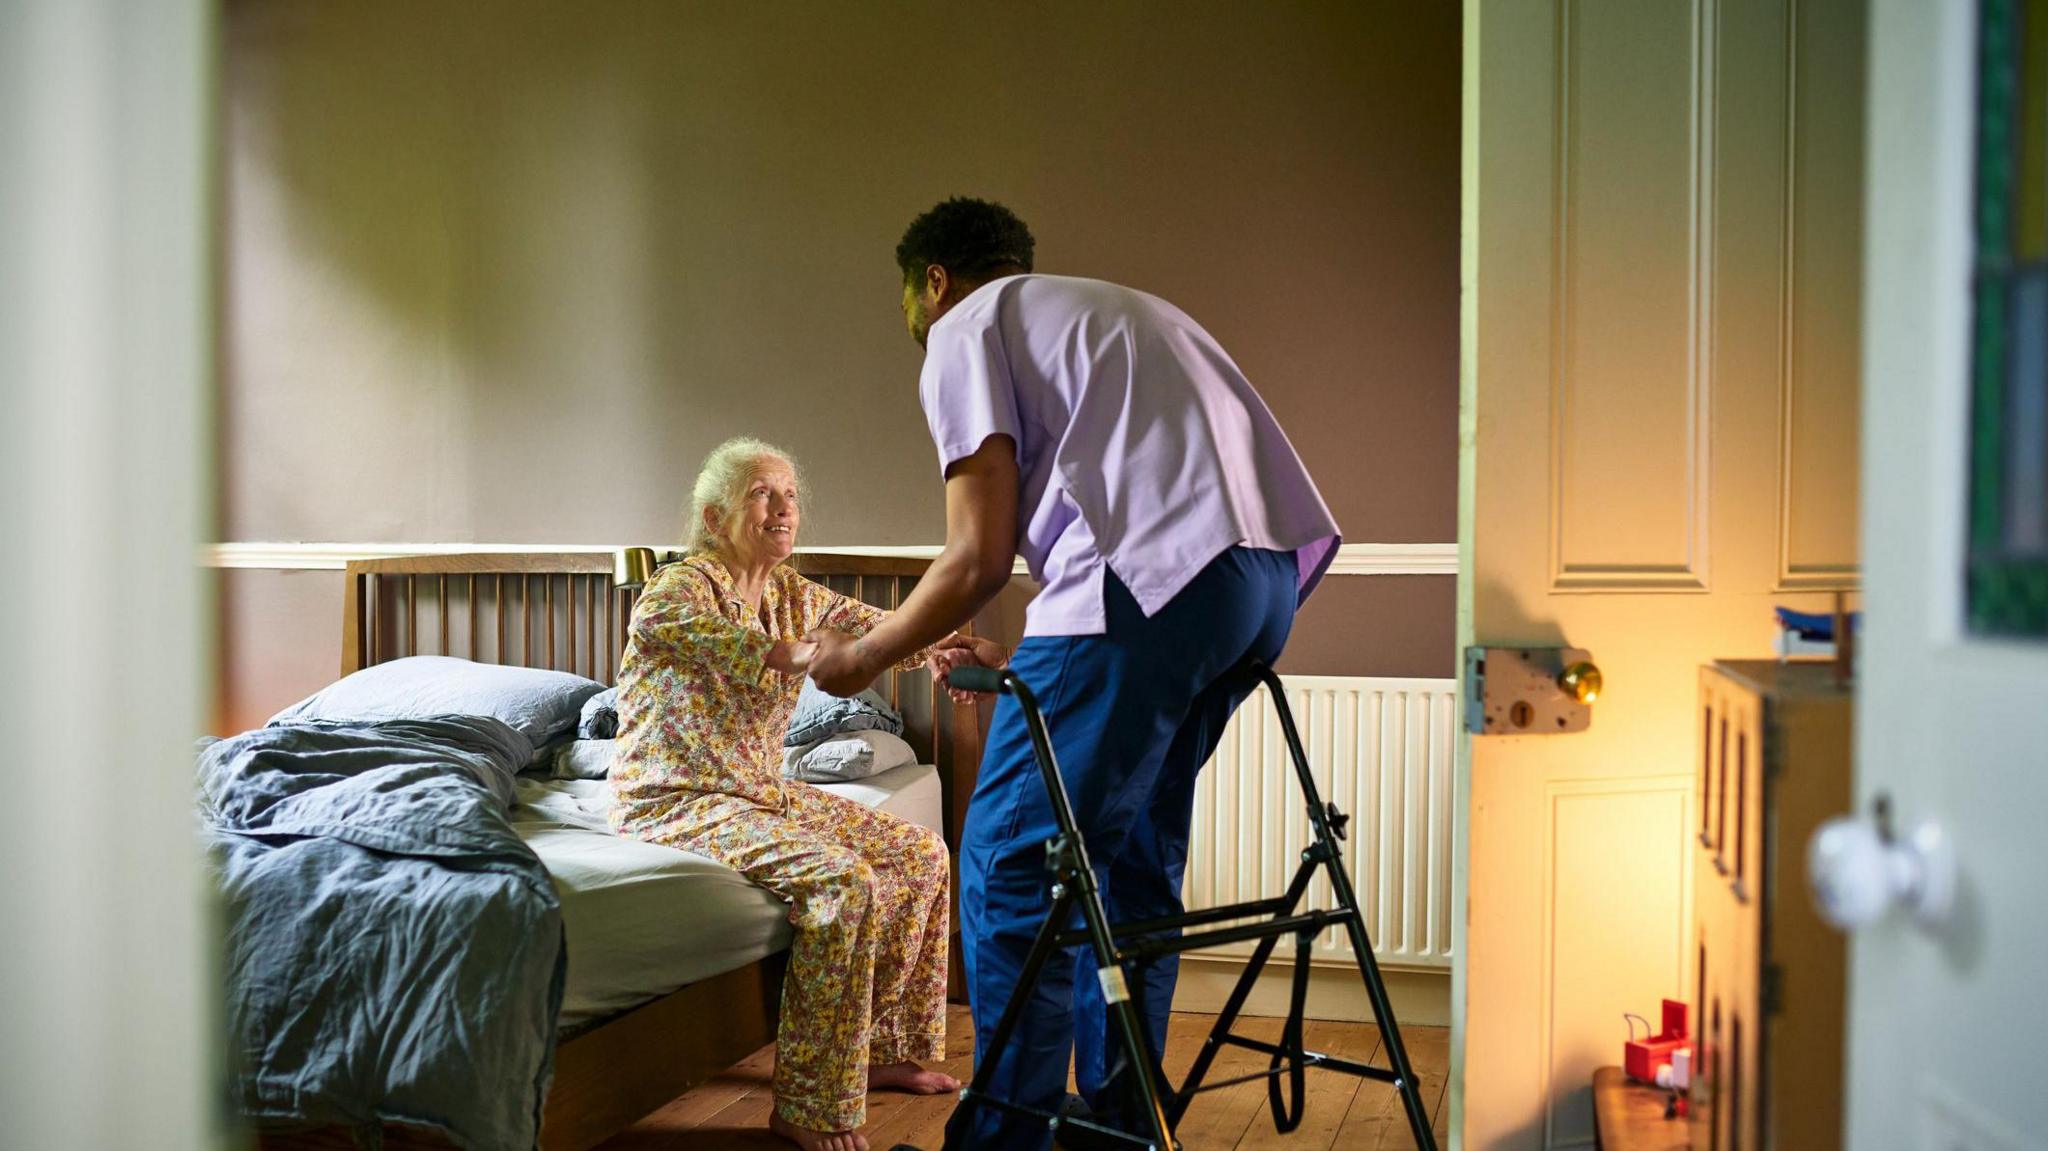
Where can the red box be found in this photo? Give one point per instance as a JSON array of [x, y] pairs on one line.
[[1642, 1057]]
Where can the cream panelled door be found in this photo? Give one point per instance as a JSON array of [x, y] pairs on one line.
[[1661, 243]]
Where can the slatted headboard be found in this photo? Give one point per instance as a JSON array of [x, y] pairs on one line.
[[560, 610]]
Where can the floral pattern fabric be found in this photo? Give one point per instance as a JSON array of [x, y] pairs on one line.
[[699, 767]]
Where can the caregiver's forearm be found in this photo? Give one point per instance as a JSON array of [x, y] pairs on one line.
[[981, 544], [956, 587]]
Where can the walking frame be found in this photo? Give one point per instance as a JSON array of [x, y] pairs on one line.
[[1115, 945]]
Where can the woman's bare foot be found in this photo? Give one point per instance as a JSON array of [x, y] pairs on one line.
[[908, 1076], [811, 1140]]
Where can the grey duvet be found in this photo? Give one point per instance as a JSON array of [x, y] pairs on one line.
[[394, 952]]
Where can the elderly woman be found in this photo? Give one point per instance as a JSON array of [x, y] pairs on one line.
[[714, 662]]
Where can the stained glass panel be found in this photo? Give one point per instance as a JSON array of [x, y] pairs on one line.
[[2008, 554]]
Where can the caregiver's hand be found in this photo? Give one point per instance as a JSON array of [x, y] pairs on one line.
[[838, 666], [958, 650], [942, 663]]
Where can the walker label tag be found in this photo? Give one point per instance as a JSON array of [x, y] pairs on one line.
[[1114, 990]]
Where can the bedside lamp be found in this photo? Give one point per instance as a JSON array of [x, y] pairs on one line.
[[633, 567]]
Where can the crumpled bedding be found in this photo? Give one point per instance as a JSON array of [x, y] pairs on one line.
[[394, 951]]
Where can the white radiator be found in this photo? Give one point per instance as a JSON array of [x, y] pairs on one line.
[[1382, 750]]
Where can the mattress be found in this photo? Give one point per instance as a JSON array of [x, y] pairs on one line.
[[643, 920]]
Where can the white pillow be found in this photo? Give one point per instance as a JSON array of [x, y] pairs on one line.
[[583, 759], [848, 756], [540, 704]]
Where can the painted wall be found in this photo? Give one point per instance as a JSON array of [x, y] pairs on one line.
[[504, 272]]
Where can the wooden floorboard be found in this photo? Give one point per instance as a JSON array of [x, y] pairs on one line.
[[1440, 1124], [730, 1113], [1217, 1120], [1328, 1096], [920, 1120], [1377, 1117]]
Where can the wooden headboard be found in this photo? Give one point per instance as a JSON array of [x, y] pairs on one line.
[[560, 610]]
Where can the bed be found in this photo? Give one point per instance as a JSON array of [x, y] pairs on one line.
[[675, 962]]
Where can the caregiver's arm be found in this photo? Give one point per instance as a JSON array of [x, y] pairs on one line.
[[981, 545]]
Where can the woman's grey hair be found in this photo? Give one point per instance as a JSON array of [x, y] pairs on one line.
[[722, 483]]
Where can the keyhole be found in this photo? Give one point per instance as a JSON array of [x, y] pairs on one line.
[[1521, 714]]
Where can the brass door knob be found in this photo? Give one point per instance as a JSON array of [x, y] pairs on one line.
[[1581, 681]]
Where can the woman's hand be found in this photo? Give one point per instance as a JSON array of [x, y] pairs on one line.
[[791, 658], [840, 666], [958, 650]]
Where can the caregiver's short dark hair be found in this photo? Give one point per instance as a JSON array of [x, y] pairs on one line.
[[971, 239]]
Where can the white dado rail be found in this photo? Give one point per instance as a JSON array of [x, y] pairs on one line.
[[1352, 559]]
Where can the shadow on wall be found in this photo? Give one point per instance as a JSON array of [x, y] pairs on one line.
[[506, 271]]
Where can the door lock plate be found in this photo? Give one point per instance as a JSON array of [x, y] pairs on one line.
[[1527, 691]]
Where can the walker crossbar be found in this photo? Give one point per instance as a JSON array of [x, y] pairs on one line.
[[1156, 946], [1114, 946]]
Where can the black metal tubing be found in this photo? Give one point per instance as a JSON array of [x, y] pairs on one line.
[[1311, 922], [1190, 919], [1361, 947], [1041, 949], [1362, 1070], [1220, 1032], [1287, 1111], [1075, 883], [1074, 880], [1059, 1123], [1152, 948], [1308, 1059]]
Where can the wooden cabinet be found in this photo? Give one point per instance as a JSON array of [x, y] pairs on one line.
[[1774, 762]]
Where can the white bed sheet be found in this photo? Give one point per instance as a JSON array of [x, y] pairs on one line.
[[643, 920]]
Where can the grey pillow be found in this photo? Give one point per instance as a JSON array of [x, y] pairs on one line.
[[600, 716], [540, 704], [849, 756], [818, 715], [582, 759]]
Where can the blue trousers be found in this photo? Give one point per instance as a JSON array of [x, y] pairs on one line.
[[1133, 714]]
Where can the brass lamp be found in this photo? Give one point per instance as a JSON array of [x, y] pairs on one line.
[[633, 567]]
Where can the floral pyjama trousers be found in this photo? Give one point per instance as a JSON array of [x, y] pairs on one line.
[[869, 900]]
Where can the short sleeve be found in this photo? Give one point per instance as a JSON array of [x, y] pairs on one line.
[[966, 387]]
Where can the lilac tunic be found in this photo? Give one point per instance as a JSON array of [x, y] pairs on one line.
[[1140, 446]]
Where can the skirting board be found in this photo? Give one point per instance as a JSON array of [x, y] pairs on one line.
[[1420, 998]]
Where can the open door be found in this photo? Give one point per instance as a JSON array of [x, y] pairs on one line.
[[1952, 714], [1659, 372]]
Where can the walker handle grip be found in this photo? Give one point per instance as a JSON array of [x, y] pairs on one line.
[[976, 678]]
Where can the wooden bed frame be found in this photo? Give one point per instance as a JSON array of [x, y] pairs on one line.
[[561, 610]]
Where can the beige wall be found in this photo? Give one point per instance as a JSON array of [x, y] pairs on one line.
[[503, 272]]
